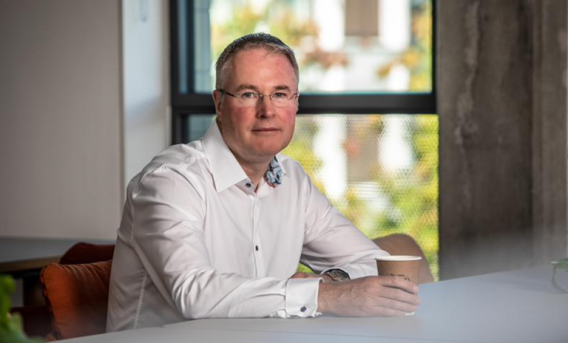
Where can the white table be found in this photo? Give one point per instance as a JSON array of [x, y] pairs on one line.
[[514, 306]]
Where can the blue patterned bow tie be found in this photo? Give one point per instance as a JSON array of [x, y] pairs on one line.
[[273, 175]]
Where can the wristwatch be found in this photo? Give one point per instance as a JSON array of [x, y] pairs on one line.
[[337, 275]]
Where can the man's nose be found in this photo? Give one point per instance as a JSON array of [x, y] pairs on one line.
[[265, 107]]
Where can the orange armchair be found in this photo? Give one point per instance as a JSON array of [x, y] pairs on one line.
[[77, 297], [43, 320]]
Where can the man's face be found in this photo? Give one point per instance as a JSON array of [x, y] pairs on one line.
[[255, 134]]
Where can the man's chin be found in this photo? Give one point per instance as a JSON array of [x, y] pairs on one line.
[[269, 148], [268, 152]]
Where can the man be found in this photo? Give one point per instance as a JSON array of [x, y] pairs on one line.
[[217, 227]]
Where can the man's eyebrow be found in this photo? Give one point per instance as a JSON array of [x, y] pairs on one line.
[[254, 88], [241, 87]]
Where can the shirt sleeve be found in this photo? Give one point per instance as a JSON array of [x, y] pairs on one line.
[[168, 212], [331, 241]]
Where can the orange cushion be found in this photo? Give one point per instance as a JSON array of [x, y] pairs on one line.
[[77, 297]]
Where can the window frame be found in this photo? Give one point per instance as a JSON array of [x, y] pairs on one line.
[[183, 105]]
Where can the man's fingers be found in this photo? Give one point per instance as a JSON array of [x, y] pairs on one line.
[[389, 308], [399, 282], [397, 305], [389, 312], [397, 294]]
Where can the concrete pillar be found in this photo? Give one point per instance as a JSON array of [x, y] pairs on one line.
[[501, 85]]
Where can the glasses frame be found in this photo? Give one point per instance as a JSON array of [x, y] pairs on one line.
[[260, 97]]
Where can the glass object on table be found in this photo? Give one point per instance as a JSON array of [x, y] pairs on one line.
[[556, 283]]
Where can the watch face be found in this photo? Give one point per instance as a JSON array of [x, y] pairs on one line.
[[338, 275]]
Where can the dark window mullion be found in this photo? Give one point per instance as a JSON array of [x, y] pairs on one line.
[[313, 104], [367, 104]]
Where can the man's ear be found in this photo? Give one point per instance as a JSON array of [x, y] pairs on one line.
[[217, 99]]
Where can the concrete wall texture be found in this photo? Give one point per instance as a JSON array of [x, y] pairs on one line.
[[502, 106]]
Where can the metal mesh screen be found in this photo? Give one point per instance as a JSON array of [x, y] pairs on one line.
[[380, 171]]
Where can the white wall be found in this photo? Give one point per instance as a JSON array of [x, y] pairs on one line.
[[146, 82], [68, 140]]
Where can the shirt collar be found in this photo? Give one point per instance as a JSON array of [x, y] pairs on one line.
[[225, 168]]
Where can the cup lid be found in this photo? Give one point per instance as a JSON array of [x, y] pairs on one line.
[[399, 258]]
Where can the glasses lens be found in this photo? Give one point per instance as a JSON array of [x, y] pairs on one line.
[[249, 99], [280, 102], [280, 99]]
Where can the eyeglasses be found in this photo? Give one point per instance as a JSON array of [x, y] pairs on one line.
[[281, 98], [562, 265]]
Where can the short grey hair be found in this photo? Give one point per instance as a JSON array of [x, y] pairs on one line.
[[249, 42]]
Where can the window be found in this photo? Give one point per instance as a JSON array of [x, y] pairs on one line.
[[366, 130]]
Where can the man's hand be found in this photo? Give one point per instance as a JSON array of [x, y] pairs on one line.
[[370, 296]]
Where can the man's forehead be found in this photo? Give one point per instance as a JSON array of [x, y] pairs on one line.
[[245, 56], [251, 58], [262, 51]]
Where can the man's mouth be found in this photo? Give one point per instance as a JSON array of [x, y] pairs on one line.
[[266, 129]]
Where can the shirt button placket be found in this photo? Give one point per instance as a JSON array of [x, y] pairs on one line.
[[254, 234], [259, 263]]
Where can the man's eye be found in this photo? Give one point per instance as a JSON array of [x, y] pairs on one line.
[[280, 95], [249, 95]]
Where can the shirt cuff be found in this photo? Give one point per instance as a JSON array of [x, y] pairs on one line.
[[302, 297]]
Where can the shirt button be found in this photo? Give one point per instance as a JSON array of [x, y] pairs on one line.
[[248, 185], [256, 247], [303, 309]]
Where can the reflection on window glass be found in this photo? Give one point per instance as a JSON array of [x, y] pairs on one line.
[[380, 171], [348, 46]]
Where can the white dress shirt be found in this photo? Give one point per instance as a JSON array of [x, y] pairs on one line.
[[197, 241]]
